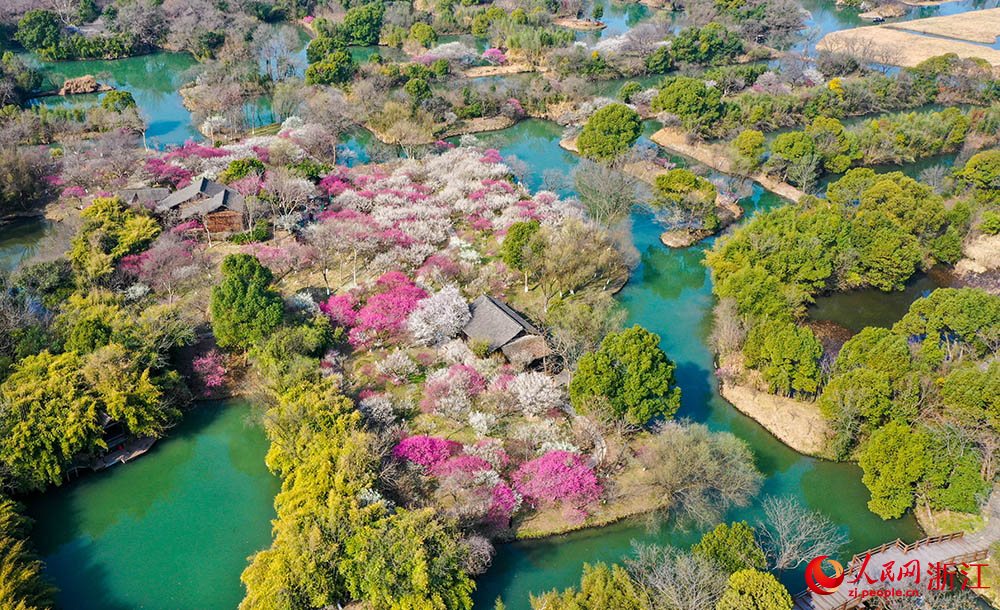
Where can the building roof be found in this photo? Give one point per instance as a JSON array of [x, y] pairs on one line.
[[202, 188], [496, 323], [154, 194], [526, 349]]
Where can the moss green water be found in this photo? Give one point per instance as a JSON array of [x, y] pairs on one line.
[[171, 530], [18, 240]]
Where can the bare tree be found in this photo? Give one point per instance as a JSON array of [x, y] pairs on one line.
[[607, 194], [717, 472], [673, 579], [285, 191], [792, 534]]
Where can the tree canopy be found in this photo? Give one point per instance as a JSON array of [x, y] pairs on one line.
[[629, 376], [245, 309], [609, 132]]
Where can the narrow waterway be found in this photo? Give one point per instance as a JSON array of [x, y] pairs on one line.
[[670, 294], [169, 531]]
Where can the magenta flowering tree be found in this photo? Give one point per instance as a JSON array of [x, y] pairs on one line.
[[384, 314], [342, 309], [210, 370], [450, 391], [74, 191], [167, 173], [193, 149], [428, 451], [558, 476], [459, 463], [505, 503], [282, 259], [333, 185], [495, 56]]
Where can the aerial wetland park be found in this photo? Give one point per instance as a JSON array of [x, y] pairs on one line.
[[499, 304]]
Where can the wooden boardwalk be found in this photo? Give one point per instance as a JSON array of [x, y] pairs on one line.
[[954, 548]]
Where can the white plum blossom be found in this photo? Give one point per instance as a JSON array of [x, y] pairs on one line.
[[537, 393], [481, 422], [558, 446], [440, 316], [378, 409], [457, 352], [397, 365]]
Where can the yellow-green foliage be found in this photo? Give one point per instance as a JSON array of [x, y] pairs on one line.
[[110, 231], [21, 584]]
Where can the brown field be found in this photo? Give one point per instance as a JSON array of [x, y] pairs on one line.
[[975, 26], [886, 45]]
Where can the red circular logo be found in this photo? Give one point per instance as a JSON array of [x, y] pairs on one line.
[[820, 583]]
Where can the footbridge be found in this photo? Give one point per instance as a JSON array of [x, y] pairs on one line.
[[955, 549]]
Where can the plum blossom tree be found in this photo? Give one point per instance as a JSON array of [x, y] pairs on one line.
[[558, 476], [450, 391], [211, 371], [427, 451], [440, 316], [537, 393]]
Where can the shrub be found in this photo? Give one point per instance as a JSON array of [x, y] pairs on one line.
[[609, 132]]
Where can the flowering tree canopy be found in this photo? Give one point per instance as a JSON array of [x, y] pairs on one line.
[[558, 476]]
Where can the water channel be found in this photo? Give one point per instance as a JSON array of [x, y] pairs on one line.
[[174, 529]]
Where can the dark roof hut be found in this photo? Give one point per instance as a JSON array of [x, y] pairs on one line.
[[502, 328]]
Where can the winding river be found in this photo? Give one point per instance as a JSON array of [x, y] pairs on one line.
[[174, 529]]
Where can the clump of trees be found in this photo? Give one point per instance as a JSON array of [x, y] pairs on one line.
[[609, 132]]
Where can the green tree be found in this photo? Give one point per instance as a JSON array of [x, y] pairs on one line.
[[241, 168], [117, 101], [990, 222], [732, 547], [598, 11], [110, 231], [320, 47], [627, 90], [407, 560], [754, 590], [601, 588], [39, 29], [835, 145], [24, 587], [794, 156], [982, 173], [660, 61], [423, 34], [629, 376], [50, 417], [514, 244], [697, 105], [245, 309], [894, 460], [362, 24], [749, 147], [335, 69], [786, 354], [417, 89], [711, 44], [609, 132]]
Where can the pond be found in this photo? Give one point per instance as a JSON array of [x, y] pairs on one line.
[[153, 80], [857, 309], [172, 529], [18, 240]]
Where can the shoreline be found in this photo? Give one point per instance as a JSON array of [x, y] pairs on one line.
[[798, 425], [715, 157]]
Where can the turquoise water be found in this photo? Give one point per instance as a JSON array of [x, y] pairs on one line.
[[171, 530], [153, 80]]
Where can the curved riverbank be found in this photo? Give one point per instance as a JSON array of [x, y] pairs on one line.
[[797, 424]]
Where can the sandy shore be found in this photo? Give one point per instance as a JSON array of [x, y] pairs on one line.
[[800, 425], [714, 156]]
